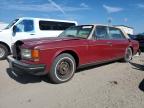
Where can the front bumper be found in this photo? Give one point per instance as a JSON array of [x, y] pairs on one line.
[[19, 67]]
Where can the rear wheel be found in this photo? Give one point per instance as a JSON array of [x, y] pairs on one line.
[[3, 52], [128, 55], [63, 68]]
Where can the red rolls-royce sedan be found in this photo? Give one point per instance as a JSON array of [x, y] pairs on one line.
[[74, 48]]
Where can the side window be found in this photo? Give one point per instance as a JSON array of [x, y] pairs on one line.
[[116, 33], [20, 27], [25, 26], [101, 33], [45, 25], [52, 25], [64, 25]]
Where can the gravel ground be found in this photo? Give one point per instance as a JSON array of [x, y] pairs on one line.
[[112, 85]]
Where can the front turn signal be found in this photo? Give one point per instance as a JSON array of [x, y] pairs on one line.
[[35, 54]]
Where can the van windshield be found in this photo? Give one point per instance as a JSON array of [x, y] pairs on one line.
[[77, 31], [11, 23]]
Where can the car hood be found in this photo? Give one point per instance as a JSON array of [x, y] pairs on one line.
[[39, 41], [4, 30], [5, 33]]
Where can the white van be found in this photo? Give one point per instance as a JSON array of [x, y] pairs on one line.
[[26, 27]]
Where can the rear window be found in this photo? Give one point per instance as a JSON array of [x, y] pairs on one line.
[[52, 25], [115, 33]]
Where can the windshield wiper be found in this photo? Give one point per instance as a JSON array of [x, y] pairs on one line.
[[71, 36], [67, 36], [81, 37], [78, 37]]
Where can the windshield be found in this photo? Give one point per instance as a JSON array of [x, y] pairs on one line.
[[11, 23], [77, 31]]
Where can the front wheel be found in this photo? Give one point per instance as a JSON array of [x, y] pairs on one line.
[[128, 55], [63, 68], [3, 52]]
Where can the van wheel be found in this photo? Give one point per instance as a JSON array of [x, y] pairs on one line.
[[128, 55], [3, 52], [63, 68]]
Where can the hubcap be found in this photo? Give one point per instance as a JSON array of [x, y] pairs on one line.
[[64, 69], [128, 54], [2, 52]]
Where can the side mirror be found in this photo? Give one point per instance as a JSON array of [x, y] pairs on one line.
[[14, 29]]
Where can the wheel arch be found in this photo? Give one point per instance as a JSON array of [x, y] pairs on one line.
[[132, 49], [73, 53], [7, 46]]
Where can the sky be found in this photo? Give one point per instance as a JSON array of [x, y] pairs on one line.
[[120, 12]]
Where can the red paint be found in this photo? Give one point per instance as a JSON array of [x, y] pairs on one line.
[[88, 51]]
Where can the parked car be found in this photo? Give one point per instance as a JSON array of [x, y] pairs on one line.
[[140, 39], [26, 28], [76, 47]]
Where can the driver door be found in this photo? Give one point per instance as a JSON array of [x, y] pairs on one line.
[[23, 30]]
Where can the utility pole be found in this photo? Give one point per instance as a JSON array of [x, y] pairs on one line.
[[109, 21]]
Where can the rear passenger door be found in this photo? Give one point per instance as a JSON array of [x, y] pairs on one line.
[[119, 41]]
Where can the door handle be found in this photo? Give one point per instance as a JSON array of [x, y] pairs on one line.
[[32, 34], [109, 43]]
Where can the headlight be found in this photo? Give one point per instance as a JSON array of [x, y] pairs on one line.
[[26, 53], [30, 54]]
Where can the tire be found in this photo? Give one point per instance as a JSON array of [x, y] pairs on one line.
[[128, 55], [63, 68], [3, 52]]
